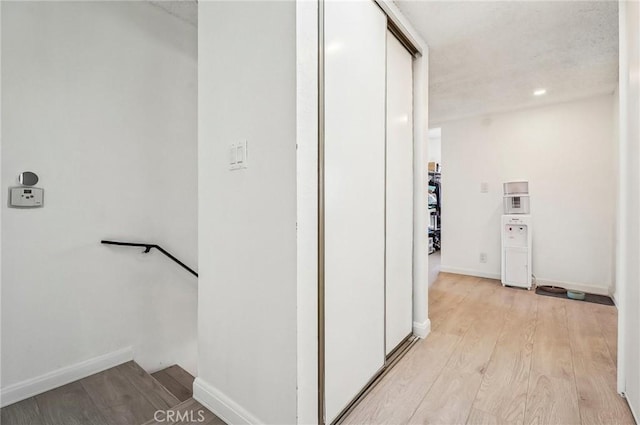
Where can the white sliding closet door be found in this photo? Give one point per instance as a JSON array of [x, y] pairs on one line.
[[399, 284], [354, 80]]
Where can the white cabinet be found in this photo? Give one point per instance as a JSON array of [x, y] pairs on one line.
[[516, 266]]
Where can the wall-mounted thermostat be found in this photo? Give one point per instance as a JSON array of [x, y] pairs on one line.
[[26, 197]]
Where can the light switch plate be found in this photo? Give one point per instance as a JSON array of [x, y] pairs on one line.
[[238, 155], [484, 187]]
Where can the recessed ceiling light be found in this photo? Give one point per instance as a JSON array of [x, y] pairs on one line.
[[539, 92]]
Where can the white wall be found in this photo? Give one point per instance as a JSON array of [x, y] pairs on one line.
[[628, 235], [565, 151], [307, 209], [247, 228], [99, 99], [421, 322], [435, 145], [616, 220]]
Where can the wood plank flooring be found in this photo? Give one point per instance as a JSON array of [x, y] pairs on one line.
[[503, 356], [177, 380], [123, 395], [189, 412]]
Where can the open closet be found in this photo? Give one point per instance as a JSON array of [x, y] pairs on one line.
[[435, 209]]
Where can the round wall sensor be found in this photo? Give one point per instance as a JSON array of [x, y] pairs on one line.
[[28, 178]]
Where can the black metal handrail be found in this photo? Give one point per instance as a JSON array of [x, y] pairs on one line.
[[148, 247]]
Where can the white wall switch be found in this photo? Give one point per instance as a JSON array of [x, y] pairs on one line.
[[238, 155], [484, 187]]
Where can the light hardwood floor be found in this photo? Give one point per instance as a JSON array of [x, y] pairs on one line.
[[500, 355]]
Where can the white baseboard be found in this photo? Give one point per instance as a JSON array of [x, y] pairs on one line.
[[421, 330], [591, 289], [469, 272], [614, 297], [54, 379], [633, 413], [225, 408]]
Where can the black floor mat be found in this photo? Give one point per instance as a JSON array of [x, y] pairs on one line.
[[590, 298]]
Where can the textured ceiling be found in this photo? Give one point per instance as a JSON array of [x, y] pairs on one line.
[[187, 10], [489, 57]]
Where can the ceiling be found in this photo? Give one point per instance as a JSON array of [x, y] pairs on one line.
[[487, 57]]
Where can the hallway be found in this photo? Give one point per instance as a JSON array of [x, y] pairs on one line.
[[503, 356]]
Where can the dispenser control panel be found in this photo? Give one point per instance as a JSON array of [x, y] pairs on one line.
[[26, 197], [515, 235]]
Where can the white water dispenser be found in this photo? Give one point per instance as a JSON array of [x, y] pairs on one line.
[[516, 236]]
